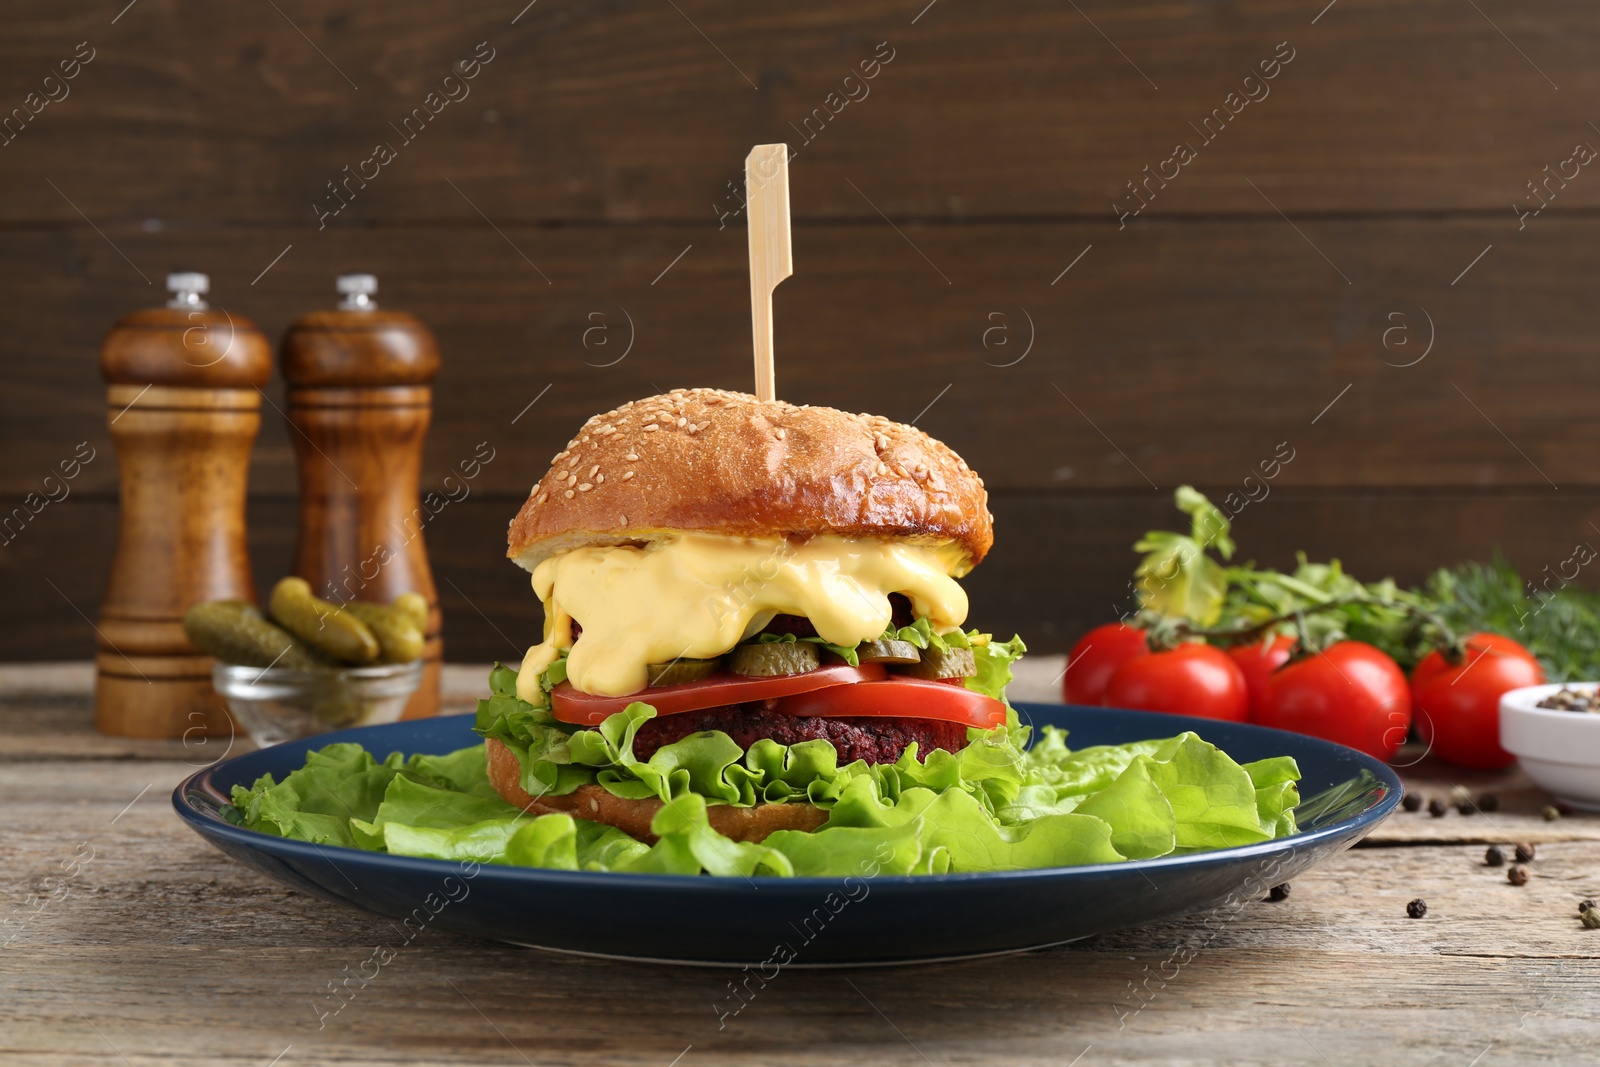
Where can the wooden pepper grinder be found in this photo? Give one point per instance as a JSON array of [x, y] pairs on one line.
[[359, 395], [184, 403]]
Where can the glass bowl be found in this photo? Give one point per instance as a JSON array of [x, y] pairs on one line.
[[274, 705]]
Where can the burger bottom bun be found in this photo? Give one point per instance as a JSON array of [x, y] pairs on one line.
[[633, 817]]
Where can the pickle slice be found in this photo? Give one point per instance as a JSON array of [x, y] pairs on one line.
[[774, 660], [951, 663], [234, 631], [682, 670], [399, 636], [891, 651]]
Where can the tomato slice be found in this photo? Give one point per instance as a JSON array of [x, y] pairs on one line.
[[587, 709], [911, 698]]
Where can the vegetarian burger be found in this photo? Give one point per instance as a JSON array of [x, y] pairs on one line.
[[752, 577]]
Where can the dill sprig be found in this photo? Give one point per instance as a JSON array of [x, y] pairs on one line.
[[1561, 626]]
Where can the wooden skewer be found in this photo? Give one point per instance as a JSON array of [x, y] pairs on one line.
[[766, 188]]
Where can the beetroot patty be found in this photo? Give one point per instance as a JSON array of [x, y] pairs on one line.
[[876, 740]]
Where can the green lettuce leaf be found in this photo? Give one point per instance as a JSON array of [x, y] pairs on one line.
[[1176, 577], [994, 660], [994, 805], [317, 802]]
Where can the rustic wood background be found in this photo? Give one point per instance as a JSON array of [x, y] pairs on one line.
[[579, 186], [129, 941]]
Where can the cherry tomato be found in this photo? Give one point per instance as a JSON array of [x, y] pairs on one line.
[[1352, 694], [1477, 644], [1191, 679], [912, 698], [1096, 657], [588, 709], [1458, 707], [1257, 661]]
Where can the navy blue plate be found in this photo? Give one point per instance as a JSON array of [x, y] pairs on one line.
[[808, 921]]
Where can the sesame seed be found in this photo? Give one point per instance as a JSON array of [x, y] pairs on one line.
[[570, 494], [599, 478], [627, 475], [651, 428], [631, 457], [585, 487], [572, 479], [780, 433], [682, 421], [883, 468], [593, 469]]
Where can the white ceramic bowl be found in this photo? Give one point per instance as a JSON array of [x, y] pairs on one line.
[[1560, 750]]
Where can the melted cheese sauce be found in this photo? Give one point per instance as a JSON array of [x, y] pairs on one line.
[[695, 596]]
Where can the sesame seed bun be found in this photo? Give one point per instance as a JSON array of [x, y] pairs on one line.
[[633, 817], [712, 461]]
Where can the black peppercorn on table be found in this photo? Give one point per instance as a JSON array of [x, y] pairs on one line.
[[128, 940]]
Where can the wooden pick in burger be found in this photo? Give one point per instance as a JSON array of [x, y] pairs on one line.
[[766, 187]]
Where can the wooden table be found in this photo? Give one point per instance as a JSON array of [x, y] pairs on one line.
[[132, 942]]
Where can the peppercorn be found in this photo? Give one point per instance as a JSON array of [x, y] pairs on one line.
[[1278, 893], [1563, 807], [1517, 875], [1466, 807], [1590, 918], [1417, 908], [1495, 857], [1488, 802], [1585, 905], [1411, 802], [1524, 852], [1551, 813], [1436, 808]]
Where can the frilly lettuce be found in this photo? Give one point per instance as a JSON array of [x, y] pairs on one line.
[[994, 805]]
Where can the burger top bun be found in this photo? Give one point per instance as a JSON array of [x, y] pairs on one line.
[[712, 461]]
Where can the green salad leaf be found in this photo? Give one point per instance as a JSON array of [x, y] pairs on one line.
[[995, 805], [1176, 577]]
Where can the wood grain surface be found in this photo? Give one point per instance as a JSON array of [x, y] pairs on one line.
[[1231, 337], [561, 214], [152, 948], [628, 110]]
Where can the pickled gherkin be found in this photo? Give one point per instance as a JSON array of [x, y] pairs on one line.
[[324, 626], [335, 706], [235, 631], [950, 663], [399, 636], [416, 606], [682, 670], [762, 660]]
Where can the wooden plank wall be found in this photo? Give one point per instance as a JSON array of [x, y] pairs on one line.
[[1330, 260]]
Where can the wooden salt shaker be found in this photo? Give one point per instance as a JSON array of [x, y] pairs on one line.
[[360, 399], [184, 404]]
